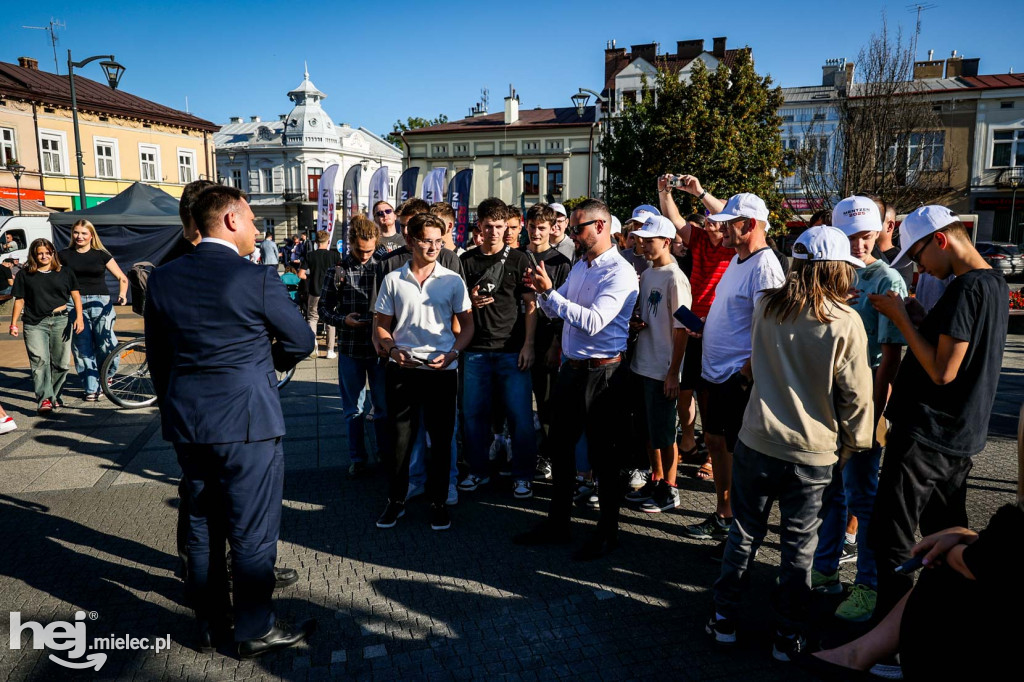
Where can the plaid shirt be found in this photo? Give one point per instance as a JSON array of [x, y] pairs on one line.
[[350, 287]]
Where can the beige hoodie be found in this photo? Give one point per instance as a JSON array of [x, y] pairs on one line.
[[811, 397]]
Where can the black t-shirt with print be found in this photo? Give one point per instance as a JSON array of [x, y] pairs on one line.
[[90, 269], [953, 419], [318, 262], [499, 328], [43, 291]]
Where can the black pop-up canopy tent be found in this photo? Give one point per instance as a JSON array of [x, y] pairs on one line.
[[139, 224]]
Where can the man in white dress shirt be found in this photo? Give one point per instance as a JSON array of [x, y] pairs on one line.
[[595, 303]]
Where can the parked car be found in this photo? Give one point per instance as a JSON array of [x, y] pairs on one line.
[[1002, 256]]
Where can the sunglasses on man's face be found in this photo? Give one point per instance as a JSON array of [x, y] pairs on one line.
[[574, 230], [386, 211]]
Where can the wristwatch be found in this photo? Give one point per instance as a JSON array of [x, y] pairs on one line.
[[456, 351], [700, 197], [547, 292]]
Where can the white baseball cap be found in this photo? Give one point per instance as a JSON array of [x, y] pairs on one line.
[[921, 223], [824, 243], [616, 226], [558, 208], [656, 226], [857, 214], [744, 205], [641, 217]]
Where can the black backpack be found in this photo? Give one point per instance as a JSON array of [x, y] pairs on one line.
[[138, 278]]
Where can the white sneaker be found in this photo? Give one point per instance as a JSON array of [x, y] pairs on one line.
[[331, 355], [522, 489], [453, 495], [638, 477], [472, 482], [414, 491], [7, 425]]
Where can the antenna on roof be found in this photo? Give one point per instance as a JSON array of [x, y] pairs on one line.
[[917, 8], [51, 28], [186, 105], [485, 98]]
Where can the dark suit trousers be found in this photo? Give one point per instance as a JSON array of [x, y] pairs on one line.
[[408, 392], [234, 494], [589, 400]]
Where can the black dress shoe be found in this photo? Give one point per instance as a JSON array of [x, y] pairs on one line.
[[281, 636], [595, 547], [283, 577], [544, 533], [213, 635]]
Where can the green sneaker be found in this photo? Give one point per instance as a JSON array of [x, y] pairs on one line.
[[859, 606], [825, 584]]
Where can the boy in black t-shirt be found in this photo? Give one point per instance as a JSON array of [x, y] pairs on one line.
[[942, 396], [317, 262]]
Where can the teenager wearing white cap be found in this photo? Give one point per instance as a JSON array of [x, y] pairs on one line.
[[811, 398], [942, 397], [632, 250], [725, 364], [559, 239], [854, 489]]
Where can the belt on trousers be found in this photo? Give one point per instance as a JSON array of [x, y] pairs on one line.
[[57, 313], [592, 363]]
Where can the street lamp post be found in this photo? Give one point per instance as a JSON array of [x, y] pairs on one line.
[[17, 169], [579, 100], [113, 71]]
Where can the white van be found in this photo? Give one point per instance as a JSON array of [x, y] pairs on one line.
[[23, 230]]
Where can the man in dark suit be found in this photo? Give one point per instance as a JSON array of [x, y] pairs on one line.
[[210, 319]]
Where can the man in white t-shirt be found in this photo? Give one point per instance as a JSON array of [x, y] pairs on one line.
[[725, 372], [657, 357]]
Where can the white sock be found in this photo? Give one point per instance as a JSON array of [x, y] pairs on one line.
[[851, 538]]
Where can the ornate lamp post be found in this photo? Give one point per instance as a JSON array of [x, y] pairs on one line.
[[17, 170], [113, 71]]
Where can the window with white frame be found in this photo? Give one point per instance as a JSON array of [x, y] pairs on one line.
[[8, 149], [1007, 148], [554, 145], [54, 149], [917, 152], [149, 163], [236, 178], [186, 166], [531, 146], [266, 180], [106, 158]]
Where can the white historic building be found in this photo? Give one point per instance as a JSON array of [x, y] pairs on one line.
[[279, 162]]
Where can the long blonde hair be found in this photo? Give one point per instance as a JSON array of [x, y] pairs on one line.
[[95, 242], [818, 285]]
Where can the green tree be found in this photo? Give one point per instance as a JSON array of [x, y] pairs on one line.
[[721, 126], [411, 123]]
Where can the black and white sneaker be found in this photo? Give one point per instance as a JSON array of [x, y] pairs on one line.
[[522, 489], [543, 472], [644, 493], [393, 512], [584, 489], [849, 553], [440, 519], [664, 499], [787, 646], [722, 629]]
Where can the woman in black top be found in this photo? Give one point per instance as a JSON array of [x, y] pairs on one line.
[[90, 262], [42, 289]]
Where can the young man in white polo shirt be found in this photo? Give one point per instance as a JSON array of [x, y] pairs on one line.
[[420, 299], [725, 373]]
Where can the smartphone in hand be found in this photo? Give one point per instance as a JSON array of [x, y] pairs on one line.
[[689, 320]]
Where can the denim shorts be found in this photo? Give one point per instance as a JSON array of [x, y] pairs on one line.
[[659, 414]]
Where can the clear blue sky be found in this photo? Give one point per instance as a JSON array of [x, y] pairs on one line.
[[380, 61]]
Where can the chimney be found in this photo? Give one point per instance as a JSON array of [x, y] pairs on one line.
[[254, 119], [236, 119], [719, 48], [831, 69], [970, 67], [688, 49], [928, 69], [615, 60], [648, 51], [28, 63], [511, 106], [954, 67], [850, 68], [931, 54]]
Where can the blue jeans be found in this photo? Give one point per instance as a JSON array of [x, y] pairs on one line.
[[853, 492], [355, 400], [500, 370], [96, 341]]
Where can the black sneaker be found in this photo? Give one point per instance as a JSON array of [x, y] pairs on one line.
[[543, 472], [788, 645], [849, 553], [393, 512], [439, 517], [644, 493], [712, 528], [722, 629]]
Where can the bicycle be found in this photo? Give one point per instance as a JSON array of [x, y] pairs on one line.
[[128, 384]]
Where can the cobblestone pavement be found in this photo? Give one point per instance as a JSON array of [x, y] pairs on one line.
[[87, 502]]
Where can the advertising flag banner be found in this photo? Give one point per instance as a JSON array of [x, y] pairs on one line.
[[350, 194], [325, 215], [458, 197], [407, 184], [433, 185], [379, 188]]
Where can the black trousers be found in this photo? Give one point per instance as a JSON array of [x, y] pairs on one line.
[[918, 487], [408, 392], [590, 400]]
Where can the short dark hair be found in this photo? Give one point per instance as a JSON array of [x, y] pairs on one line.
[[514, 212], [492, 208], [442, 210], [593, 206], [541, 213], [213, 202], [696, 218], [188, 195], [414, 206], [422, 221]]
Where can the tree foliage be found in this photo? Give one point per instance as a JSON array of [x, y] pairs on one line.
[[880, 142], [411, 123], [721, 126]]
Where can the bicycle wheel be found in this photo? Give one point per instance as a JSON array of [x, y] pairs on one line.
[[126, 371], [284, 377]]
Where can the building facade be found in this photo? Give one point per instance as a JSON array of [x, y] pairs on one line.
[[279, 162], [125, 139]]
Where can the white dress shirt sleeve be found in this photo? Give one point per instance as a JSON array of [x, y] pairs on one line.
[[606, 305]]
